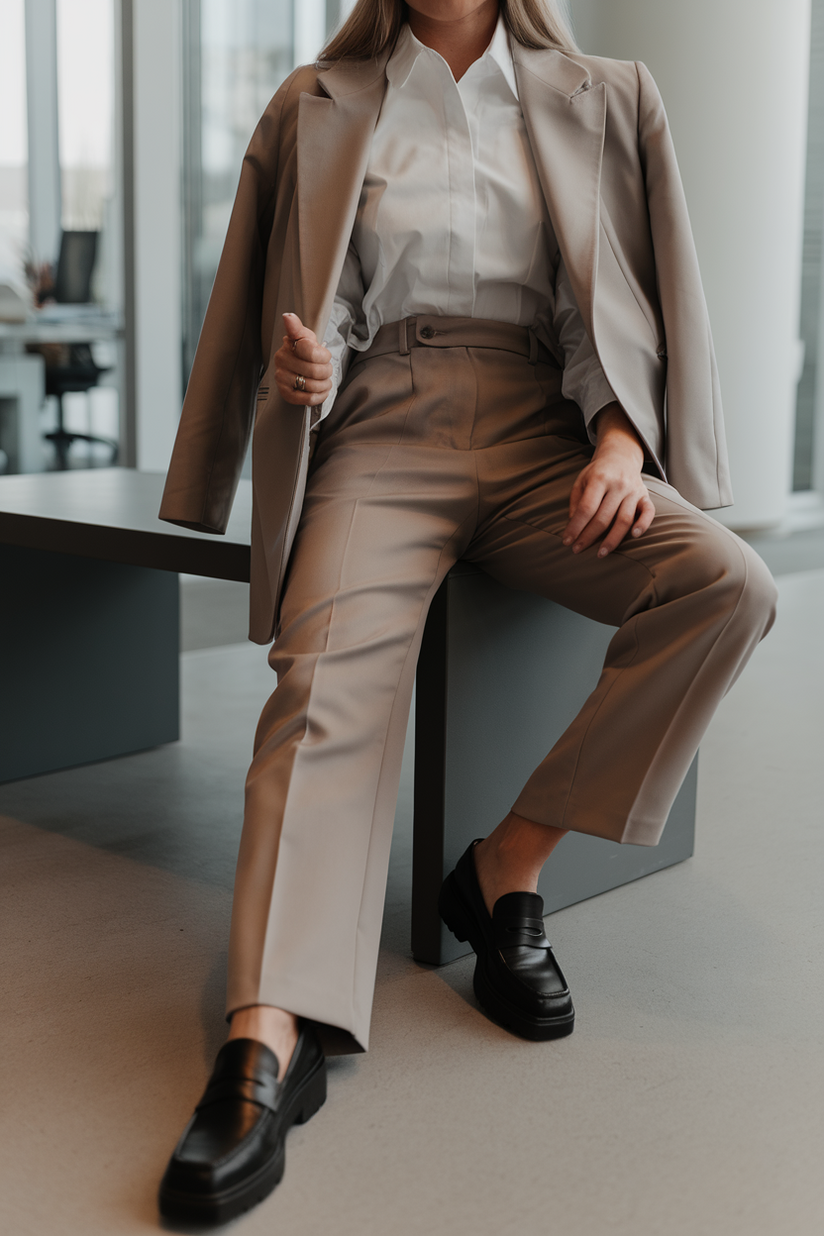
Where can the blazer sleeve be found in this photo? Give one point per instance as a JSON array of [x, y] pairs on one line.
[[696, 451], [583, 380], [341, 325], [218, 410]]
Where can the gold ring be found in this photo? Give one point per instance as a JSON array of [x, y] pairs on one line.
[[300, 382]]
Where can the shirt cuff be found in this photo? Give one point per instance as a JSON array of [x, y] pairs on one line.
[[586, 385], [340, 363], [326, 406]]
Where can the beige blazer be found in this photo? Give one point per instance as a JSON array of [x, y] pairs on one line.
[[606, 162]]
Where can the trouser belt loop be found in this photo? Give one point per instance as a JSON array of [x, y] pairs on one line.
[[403, 338], [533, 346]]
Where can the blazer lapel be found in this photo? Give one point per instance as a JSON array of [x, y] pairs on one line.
[[565, 118], [333, 142]]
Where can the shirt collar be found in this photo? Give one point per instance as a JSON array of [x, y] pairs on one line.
[[501, 53], [408, 49]]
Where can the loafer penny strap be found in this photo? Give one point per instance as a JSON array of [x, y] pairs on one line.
[[517, 921], [261, 1090]]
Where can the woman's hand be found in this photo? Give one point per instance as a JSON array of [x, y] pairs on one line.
[[301, 356], [609, 496]]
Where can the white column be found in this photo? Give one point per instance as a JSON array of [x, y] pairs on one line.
[[157, 207], [45, 199], [818, 432], [734, 77]]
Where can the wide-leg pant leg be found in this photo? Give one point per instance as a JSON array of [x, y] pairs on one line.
[[382, 523], [691, 601]]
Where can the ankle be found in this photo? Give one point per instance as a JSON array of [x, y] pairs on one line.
[[276, 1028], [521, 843], [510, 859], [498, 874]]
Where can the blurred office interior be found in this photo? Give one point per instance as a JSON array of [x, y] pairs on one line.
[[124, 123]]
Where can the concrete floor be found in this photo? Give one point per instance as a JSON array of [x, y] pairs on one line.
[[687, 1103]]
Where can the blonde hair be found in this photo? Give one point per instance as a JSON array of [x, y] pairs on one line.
[[374, 25]]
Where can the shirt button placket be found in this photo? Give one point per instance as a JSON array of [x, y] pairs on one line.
[[462, 204]]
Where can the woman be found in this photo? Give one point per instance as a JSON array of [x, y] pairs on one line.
[[488, 230]]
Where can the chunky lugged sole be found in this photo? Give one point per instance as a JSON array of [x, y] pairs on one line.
[[455, 913], [461, 922], [221, 1207]]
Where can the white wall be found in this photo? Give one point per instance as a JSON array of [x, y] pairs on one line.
[[733, 74], [157, 206]]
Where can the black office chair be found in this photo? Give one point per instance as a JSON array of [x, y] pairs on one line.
[[76, 369], [75, 267]]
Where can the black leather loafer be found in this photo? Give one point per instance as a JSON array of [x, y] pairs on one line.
[[231, 1154], [517, 979]]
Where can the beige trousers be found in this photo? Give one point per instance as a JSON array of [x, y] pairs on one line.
[[458, 447]]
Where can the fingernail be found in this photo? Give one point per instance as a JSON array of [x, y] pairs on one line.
[[636, 532], [567, 540], [576, 549], [602, 553]]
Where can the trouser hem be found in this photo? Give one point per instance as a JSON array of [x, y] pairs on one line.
[[618, 828]]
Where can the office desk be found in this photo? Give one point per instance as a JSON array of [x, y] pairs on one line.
[[22, 374], [89, 633], [22, 392], [74, 324]]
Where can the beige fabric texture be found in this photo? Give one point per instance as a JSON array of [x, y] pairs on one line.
[[608, 171], [455, 452]]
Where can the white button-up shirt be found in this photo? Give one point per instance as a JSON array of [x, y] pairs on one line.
[[452, 220]]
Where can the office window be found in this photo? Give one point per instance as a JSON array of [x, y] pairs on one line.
[[14, 205], [235, 55], [85, 75]]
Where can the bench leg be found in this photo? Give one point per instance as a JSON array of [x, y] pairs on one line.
[[90, 665], [500, 676]]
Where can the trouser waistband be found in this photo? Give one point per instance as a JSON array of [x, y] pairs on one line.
[[430, 330]]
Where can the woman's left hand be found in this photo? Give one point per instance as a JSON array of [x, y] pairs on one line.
[[609, 497]]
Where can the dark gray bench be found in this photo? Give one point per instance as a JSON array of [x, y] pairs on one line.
[[90, 631]]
